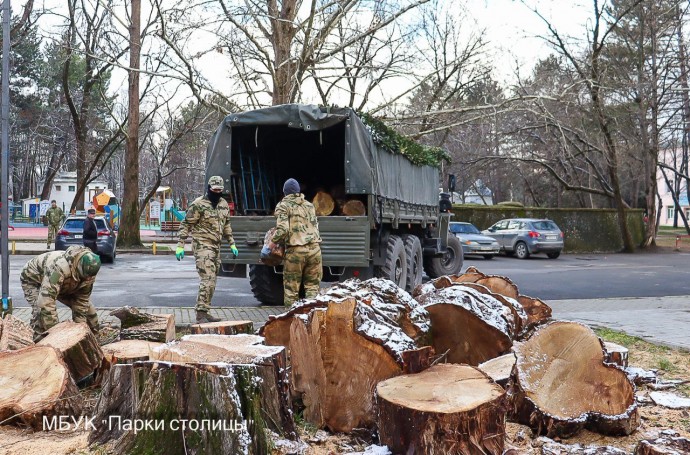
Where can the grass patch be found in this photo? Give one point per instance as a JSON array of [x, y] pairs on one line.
[[630, 342], [666, 365]]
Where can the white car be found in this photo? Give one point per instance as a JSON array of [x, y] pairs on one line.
[[472, 240]]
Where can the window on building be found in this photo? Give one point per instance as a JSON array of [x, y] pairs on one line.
[[58, 188], [72, 188], [669, 212]]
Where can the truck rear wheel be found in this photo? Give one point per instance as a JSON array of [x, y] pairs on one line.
[[395, 268], [448, 264], [267, 286], [414, 261]]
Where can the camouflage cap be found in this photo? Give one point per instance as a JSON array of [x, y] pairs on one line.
[[216, 182], [89, 265]]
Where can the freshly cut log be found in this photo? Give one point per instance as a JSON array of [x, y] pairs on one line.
[[35, 382], [562, 384], [437, 283], [14, 334], [663, 445], [615, 354], [276, 330], [79, 348], [116, 400], [339, 354], [537, 311], [323, 203], [223, 328], [128, 351], [500, 285], [354, 207], [520, 317], [469, 326], [137, 325], [499, 369], [446, 409], [264, 367]]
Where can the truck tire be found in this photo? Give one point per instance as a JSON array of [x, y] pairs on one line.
[[395, 268], [267, 286], [449, 264], [414, 260]]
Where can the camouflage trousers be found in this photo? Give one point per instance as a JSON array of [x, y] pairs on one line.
[[52, 233], [302, 265], [207, 265], [46, 316]]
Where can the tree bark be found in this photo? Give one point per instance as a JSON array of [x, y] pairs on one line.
[[223, 328], [14, 334], [116, 399], [445, 409], [136, 325], [78, 346], [615, 354]]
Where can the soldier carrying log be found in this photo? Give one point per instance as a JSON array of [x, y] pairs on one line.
[[67, 276]]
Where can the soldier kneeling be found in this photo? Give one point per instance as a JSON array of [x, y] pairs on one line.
[[67, 276]]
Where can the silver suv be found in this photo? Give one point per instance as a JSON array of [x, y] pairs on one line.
[[526, 236]]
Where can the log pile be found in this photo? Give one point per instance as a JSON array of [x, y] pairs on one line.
[[137, 325], [336, 203], [223, 328]]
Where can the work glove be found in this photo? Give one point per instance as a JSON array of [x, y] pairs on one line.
[[179, 253], [233, 248], [265, 252]]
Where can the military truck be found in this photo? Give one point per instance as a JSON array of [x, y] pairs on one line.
[[401, 231]]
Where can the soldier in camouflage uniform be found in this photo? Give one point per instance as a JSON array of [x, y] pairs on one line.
[[55, 216], [298, 228], [67, 276], [207, 221]]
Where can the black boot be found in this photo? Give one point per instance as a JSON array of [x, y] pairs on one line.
[[203, 317]]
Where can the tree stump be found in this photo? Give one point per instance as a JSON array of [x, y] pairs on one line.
[[499, 369], [223, 328], [15, 334], [615, 354], [35, 383], [116, 400], [128, 351], [354, 207], [79, 348], [323, 203], [520, 317], [226, 342], [137, 325], [563, 385], [446, 409]]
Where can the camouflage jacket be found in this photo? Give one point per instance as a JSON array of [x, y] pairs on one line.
[[296, 222], [56, 274], [206, 225], [55, 216]]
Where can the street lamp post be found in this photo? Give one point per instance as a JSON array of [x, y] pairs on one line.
[[4, 161]]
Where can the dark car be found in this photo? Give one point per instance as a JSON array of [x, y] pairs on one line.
[[72, 233], [472, 240], [526, 236]]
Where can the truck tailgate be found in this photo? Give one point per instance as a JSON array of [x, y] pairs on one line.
[[345, 240]]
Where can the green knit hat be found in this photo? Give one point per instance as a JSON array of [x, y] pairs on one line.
[[89, 265]]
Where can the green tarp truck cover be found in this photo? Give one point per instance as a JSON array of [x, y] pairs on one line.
[[368, 168]]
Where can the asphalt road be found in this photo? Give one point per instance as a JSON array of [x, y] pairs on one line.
[[145, 280]]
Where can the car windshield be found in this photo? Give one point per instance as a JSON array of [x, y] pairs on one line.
[[544, 225], [463, 229]]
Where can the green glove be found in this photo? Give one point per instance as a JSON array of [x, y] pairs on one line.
[[179, 253], [233, 248]]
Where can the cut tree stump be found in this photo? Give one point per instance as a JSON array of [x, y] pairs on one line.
[[663, 445], [223, 328], [35, 383], [137, 325], [128, 351], [562, 384], [469, 326], [15, 334], [116, 400], [354, 207], [499, 369], [324, 204], [520, 317], [265, 367], [615, 354], [537, 311], [446, 409], [79, 348]]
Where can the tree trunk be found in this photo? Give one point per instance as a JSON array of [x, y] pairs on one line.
[[129, 226], [136, 325], [78, 346], [615, 354], [354, 207], [128, 351], [14, 334], [116, 400], [445, 409], [499, 369], [36, 383], [223, 328], [562, 384], [323, 203]]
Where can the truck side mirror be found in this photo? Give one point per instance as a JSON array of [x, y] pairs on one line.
[[451, 182]]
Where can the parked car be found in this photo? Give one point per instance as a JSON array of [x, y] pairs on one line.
[[525, 236], [472, 240], [72, 233]]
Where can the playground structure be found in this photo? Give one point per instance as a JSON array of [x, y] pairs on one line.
[[161, 210], [105, 203]]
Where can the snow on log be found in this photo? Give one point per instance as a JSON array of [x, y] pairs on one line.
[[563, 385], [615, 354], [520, 317], [499, 369], [339, 354], [14, 334], [442, 410], [222, 328], [670, 400], [137, 325], [35, 383], [78, 345], [470, 326], [128, 351]]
